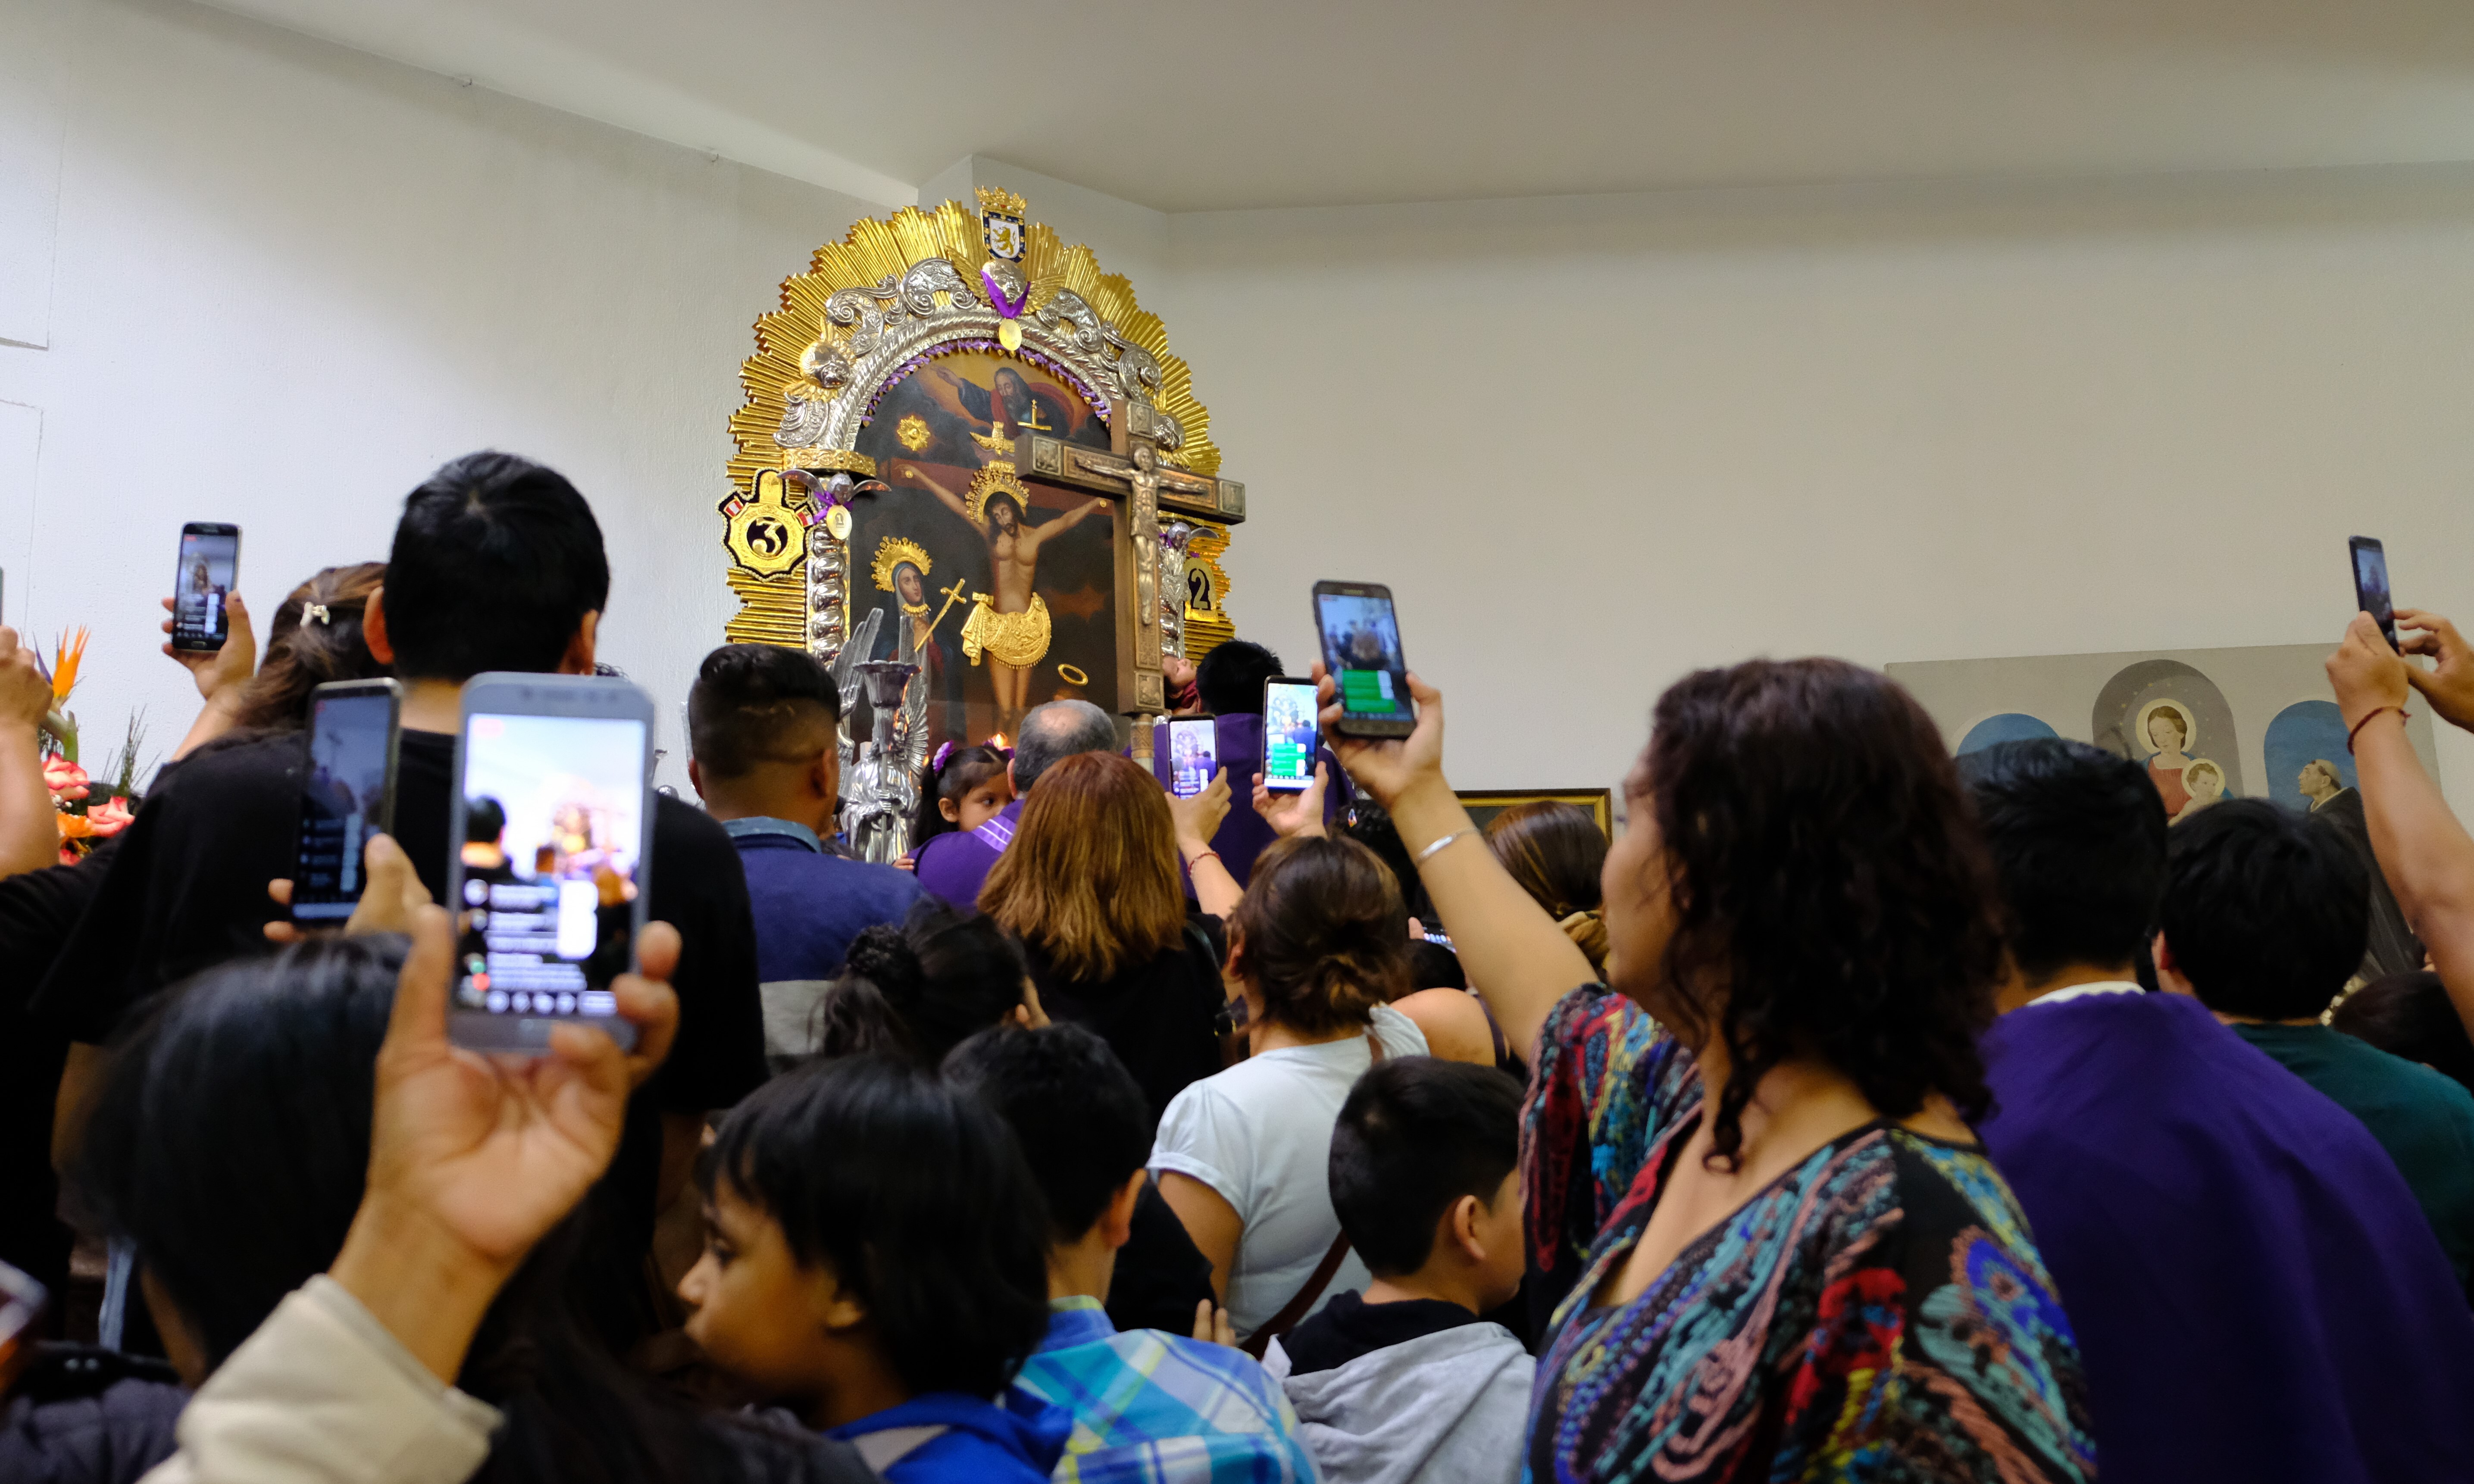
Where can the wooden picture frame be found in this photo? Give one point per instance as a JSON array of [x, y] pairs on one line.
[[1484, 804]]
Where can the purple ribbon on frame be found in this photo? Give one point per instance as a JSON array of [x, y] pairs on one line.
[[1006, 307]]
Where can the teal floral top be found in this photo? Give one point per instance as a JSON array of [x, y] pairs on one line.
[[1878, 1312]]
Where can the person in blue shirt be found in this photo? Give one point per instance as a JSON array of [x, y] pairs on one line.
[[1147, 1407], [874, 1263], [762, 722]]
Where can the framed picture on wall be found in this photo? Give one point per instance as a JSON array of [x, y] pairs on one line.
[[1484, 804]]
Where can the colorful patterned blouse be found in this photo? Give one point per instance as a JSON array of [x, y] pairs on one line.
[[1877, 1313]]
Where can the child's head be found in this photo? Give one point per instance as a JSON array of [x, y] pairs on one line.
[[919, 990], [1425, 1175], [967, 786], [1080, 1116], [869, 1230]]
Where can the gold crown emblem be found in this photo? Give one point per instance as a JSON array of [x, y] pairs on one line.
[[895, 550], [1003, 201], [997, 479]]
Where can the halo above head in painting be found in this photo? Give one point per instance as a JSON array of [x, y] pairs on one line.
[[895, 550], [997, 479], [2173, 711]]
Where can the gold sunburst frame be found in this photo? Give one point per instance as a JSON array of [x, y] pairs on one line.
[[895, 292]]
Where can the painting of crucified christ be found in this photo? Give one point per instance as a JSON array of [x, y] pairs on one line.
[[1005, 587]]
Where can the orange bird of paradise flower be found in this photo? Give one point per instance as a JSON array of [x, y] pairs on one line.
[[67, 655]]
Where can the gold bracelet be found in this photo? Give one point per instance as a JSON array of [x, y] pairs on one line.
[[1438, 845]]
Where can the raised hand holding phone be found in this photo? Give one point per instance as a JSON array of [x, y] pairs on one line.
[[2449, 684], [473, 1158]]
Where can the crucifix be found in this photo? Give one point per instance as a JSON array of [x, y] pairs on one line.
[[1149, 486], [951, 595]]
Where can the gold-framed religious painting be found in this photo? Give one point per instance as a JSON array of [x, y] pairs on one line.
[[1484, 804], [967, 448]]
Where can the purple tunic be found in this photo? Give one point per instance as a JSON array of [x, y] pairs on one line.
[[953, 865], [2255, 1292]]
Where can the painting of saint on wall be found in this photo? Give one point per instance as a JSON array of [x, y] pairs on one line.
[[2203, 724], [1003, 591]]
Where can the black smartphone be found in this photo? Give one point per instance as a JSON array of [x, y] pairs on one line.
[[201, 585], [552, 825], [2371, 585], [347, 795], [1193, 754], [1289, 729], [1361, 650]]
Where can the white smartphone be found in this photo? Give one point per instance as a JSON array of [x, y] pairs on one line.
[[552, 824], [1289, 726], [1193, 754]]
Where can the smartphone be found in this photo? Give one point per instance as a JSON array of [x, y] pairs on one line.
[[347, 795], [1361, 649], [1193, 754], [21, 1305], [2371, 585], [1289, 726], [201, 585], [552, 823]]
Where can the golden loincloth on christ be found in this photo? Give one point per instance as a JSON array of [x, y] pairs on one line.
[[1016, 639]]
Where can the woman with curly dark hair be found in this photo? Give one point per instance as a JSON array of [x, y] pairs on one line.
[[1774, 1247]]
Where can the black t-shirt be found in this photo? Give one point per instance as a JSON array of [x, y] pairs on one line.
[[37, 911], [1157, 1016], [1160, 1274], [1348, 1327], [188, 891]]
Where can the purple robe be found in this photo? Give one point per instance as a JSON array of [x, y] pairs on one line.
[[2256, 1295], [953, 865]]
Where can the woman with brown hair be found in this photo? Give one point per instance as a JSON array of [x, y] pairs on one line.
[[1556, 852], [1319, 946], [315, 638], [1778, 1245], [1090, 885]]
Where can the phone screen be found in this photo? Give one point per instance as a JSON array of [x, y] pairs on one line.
[[1193, 754], [1289, 728], [547, 872], [346, 797], [1361, 648], [2371, 585], [202, 586], [21, 1305]]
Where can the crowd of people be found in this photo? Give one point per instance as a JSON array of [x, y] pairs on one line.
[[1855, 1112]]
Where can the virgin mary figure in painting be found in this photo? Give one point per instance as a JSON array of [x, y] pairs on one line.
[[2166, 726]]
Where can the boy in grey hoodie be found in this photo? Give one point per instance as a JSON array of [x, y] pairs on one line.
[[1405, 1384]]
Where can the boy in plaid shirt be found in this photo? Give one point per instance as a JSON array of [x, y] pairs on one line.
[[1148, 1407]]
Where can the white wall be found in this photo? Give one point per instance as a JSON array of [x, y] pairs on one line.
[[1593, 443], [292, 279]]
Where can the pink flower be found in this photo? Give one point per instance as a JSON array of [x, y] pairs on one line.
[[64, 778], [110, 817]]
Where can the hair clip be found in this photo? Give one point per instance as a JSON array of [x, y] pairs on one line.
[[937, 763], [314, 612]]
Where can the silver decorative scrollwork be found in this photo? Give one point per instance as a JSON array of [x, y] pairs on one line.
[[1090, 332], [1174, 534]]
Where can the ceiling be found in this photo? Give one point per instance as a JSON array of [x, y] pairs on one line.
[[1188, 107]]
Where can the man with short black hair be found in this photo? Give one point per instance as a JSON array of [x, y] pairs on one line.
[[2266, 914], [1148, 1407], [763, 722], [2252, 1287], [953, 865], [1404, 1383], [497, 564]]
